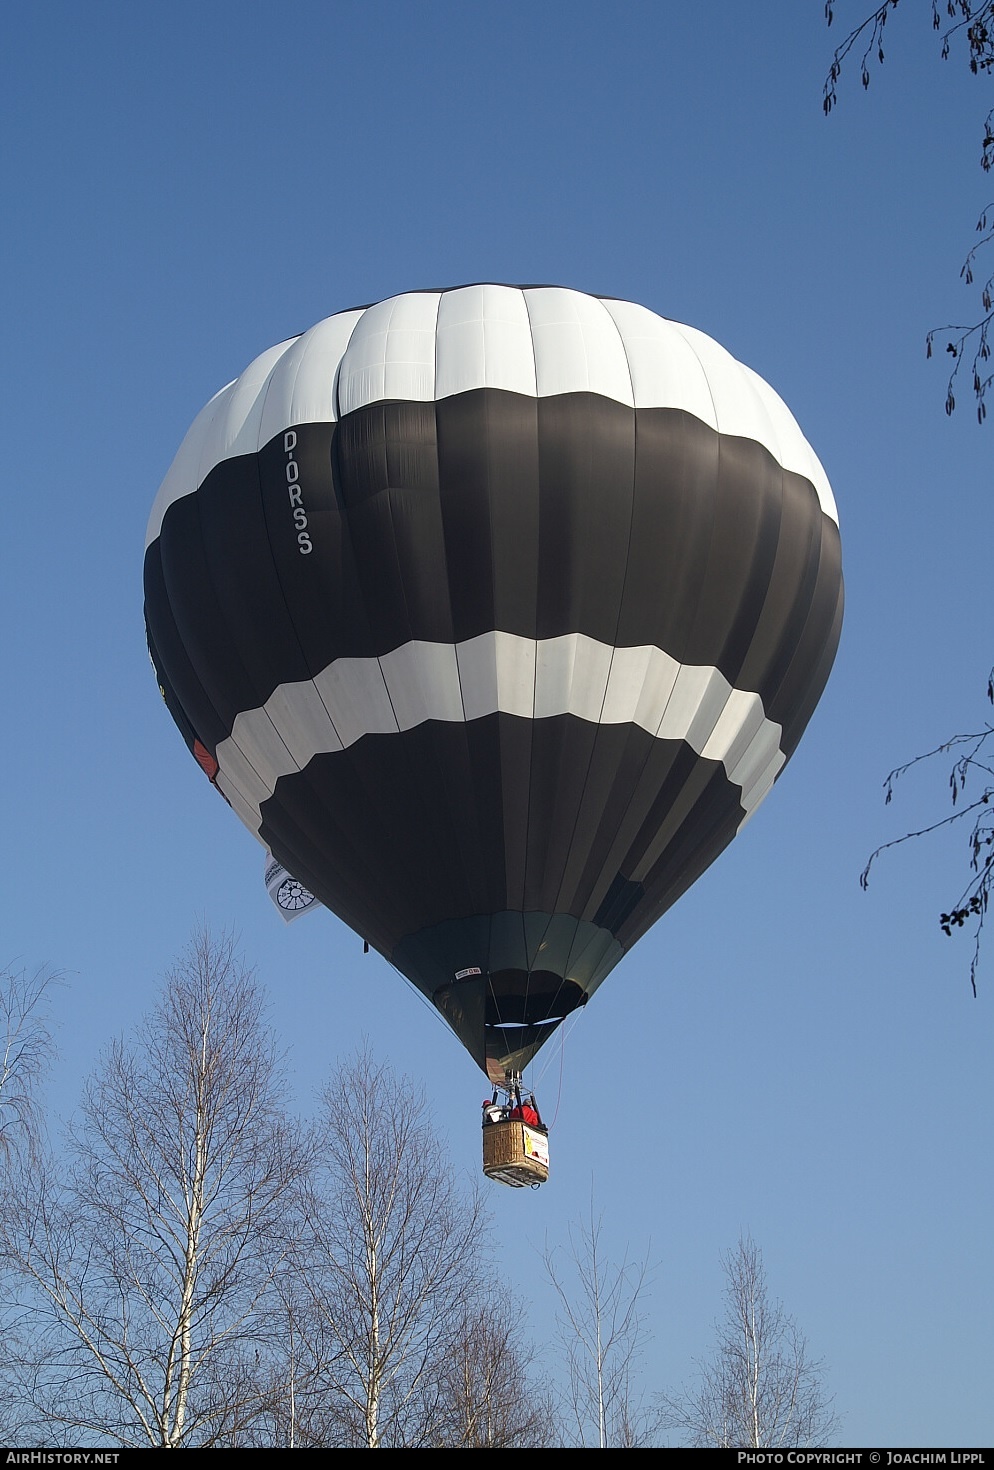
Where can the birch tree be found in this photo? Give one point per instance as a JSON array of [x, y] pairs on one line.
[[148, 1268], [394, 1256], [759, 1389], [487, 1392], [602, 1331]]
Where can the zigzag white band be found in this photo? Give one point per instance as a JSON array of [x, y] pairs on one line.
[[499, 673]]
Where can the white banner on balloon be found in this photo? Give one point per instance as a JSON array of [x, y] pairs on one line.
[[290, 896]]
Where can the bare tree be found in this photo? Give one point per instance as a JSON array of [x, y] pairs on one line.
[[149, 1268], [602, 1331], [486, 1392], [27, 1048], [759, 1389], [393, 1261]]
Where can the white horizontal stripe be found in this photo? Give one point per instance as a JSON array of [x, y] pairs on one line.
[[498, 672], [427, 345]]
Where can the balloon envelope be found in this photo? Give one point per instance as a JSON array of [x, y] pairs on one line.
[[494, 613]]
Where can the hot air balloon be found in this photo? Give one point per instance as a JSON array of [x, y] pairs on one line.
[[494, 613]]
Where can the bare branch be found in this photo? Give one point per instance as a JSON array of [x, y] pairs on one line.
[[972, 762], [972, 21], [871, 32], [26, 1048]]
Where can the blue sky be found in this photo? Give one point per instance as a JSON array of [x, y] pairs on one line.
[[783, 1054]]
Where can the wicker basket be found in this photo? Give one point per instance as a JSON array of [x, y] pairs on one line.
[[515, 1154]]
